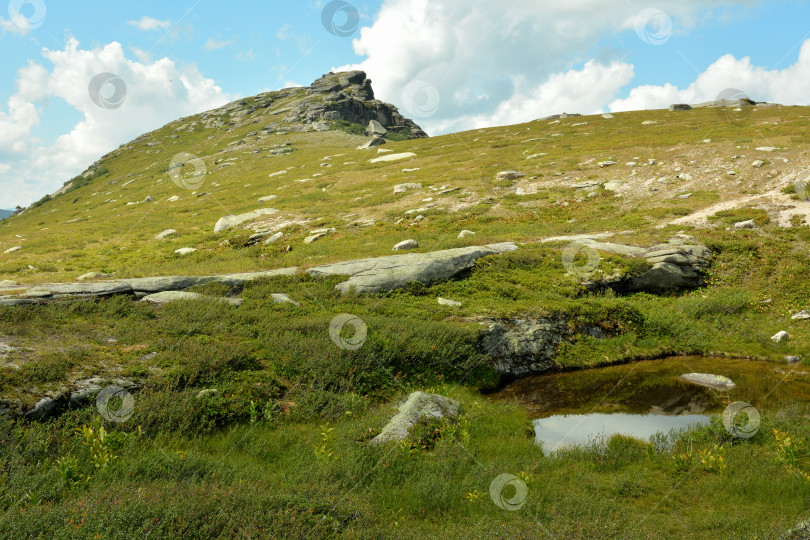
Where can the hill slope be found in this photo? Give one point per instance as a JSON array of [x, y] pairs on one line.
[[254, 418]]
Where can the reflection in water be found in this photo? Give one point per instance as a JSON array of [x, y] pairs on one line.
[[635, 398], [556, 432]]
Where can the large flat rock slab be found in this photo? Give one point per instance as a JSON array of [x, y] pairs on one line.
[[60, 290], [397, 271]]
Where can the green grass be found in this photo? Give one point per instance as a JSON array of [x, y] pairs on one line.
[[280, 449]]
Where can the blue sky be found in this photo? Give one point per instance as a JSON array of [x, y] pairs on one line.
[[486, 63]]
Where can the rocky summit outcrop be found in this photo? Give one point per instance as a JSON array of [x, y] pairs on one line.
[[348, 96], [382, 274], [419, 407]]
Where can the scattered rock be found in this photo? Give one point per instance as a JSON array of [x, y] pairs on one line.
[[283, 299], [418, 407], [92, 275], [748, 224], [465, 233], [802, 315], [393, 157], [402, 188], [608, 116], [793, 359], [185, 251], [649, 123], [268, 198], [173, 198], [228, 222], [174, 296], [604, 164], [449, 303], [371, 143], [509, 175], [13, 249], [767, 149], [405, 245], [758, 164], [165, 233], [780, 337], [274, 237], [207, 392], [613, 185], [375, 129], [148, 199], [718, 382]]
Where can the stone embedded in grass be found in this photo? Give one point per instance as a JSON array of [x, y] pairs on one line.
[[535, 156], [802, 315], [748, 224], [279, 173], [185, 251], [268, 198], [780, 337], [273, 238], [280, 298], [228, 222], [604, 164], [608, 116], [758, 164], [649, 123], [509, 175], [408, 186], [465, 233], [406, 244], [92, 275], [375, 141], [148, 198], [165, 233], [448, 303], [316, 235], [398, 271], [791, 360], [418, 407], [13, 249], [392, 157], [166, 297], [410, 170], [767, 149], [718, 382], [173, 198]]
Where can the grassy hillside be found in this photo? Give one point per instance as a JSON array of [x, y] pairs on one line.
[[280, 449]]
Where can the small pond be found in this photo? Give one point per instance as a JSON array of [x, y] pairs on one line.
[[641, 398]]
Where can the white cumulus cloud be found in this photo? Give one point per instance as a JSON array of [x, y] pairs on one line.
[[483, 57], [155, 94]]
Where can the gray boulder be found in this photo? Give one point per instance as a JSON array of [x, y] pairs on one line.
[[405, 245], [167, 297], [680, 107], [397, 271], [748, 224], [408, 186], [375, 129], [374, 141], [228, 222], [718, 382], [418, 407]]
